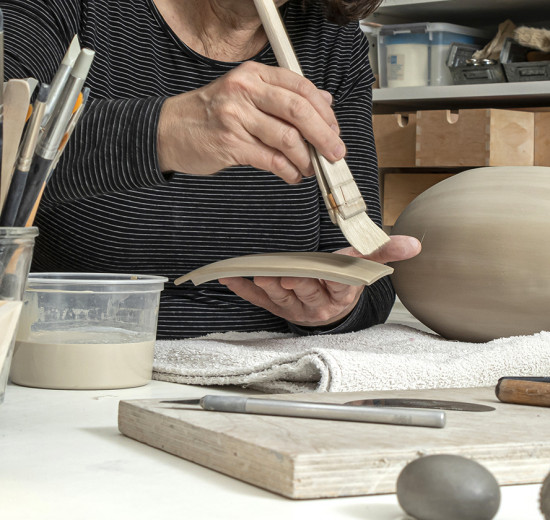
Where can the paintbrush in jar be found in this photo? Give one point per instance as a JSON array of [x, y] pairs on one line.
[[342, 197], [1, 85], [61, 77], [24, 160], [48, 146], [75, 118]]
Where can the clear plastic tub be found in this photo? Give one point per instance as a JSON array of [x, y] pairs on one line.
[[87, 331], [412, 55]]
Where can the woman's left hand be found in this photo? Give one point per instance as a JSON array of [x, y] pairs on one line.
[[310, 302]]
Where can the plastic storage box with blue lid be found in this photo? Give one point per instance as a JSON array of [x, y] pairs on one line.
[[415, 54]]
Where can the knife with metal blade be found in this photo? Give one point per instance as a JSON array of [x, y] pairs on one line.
[[311, 410], [434, 404]]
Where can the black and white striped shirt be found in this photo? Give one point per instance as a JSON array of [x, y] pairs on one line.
[[108, 208]]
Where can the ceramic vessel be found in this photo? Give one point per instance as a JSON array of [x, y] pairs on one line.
[[484, 269]]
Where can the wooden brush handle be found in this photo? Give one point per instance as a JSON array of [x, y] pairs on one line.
[[533, 391], [277, 36]]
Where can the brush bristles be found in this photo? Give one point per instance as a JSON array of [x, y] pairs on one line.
[[363, 234]]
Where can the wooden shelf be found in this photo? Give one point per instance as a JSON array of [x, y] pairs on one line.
[[493, 95], [466, 12]]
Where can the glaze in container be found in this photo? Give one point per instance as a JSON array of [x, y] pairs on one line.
[[87, 331]]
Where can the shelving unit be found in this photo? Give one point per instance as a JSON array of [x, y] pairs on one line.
[[493, 95], [483, 14], [467, 12]]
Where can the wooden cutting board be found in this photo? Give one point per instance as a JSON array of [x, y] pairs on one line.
[[311, 458]]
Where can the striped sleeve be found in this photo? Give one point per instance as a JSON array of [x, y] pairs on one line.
[[114, 147], [108, 208]]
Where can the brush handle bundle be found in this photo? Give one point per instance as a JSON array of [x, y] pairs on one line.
[[45, 129]]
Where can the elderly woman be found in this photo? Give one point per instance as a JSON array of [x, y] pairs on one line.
[[192, 149]]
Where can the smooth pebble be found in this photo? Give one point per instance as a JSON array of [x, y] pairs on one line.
[[448, 487], [545, 497]]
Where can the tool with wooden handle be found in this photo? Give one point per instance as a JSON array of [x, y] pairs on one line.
[[533, 391], [344, 201]]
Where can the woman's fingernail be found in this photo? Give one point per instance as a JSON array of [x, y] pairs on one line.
[[336, 128], [339, 151]]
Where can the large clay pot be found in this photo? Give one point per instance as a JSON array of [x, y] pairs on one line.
[[484, 269]]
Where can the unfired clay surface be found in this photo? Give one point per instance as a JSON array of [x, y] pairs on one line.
[[447, 487], [484, 269]]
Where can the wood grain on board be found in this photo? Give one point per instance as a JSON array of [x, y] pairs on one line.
[[312, 458]]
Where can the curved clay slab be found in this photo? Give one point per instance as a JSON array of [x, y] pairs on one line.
[[325, 266]]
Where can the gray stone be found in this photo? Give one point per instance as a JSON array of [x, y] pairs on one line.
[[448, 487], [545, 497]]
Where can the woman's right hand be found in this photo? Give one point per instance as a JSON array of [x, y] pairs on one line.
[[254, 115]]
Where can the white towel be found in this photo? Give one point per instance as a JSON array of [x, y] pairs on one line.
[[384, 357]]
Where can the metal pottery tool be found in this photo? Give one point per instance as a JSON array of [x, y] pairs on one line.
[[533, 391], [434, 404], [342, 197], [337, 412]]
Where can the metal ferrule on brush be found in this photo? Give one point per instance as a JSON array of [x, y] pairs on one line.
[[28, 147], [61, 77], [57, 125]]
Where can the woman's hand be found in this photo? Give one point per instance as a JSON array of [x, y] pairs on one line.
[[254, 115], [314, 303]]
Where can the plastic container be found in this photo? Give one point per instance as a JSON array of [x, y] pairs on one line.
[[467, 71], [16, 248], [517, 67], [371, 33], [87, 331], [412, 55]]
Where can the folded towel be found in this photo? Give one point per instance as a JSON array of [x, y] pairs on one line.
[[384, 357]]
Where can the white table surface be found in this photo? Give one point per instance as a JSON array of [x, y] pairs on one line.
[[62, 457]]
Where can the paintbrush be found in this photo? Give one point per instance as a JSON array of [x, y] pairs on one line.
[[75, 118], [48, 145], [77, 114], [1, 86], [61, 77], [24, 160], [17, 97], [342, 197]]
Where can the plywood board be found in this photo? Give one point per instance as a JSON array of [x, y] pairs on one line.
[[311, 458], [474, 137], [400, 189]]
